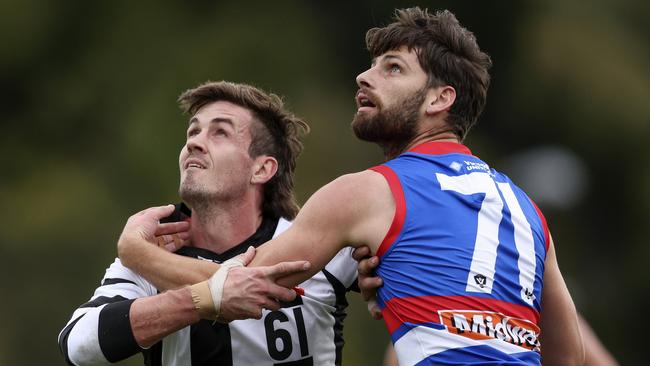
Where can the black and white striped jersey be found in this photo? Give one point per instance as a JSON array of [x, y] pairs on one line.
[[307, 331]]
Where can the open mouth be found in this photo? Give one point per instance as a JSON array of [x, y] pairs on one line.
[[364, 102], [193, 163]]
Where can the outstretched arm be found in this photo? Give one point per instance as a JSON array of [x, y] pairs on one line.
[[246, 292], [353, 210], [561, 339], [155, 317]]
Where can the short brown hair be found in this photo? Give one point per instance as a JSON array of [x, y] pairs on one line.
[[278, 135], [447, 52]]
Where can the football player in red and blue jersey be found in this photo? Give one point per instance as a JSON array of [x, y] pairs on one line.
[[467, 261]]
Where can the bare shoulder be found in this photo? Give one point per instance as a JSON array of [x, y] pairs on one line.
[[361, 184], [353, 210], [354, 192]]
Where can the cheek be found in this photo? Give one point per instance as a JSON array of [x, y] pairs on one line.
[[182, 156]]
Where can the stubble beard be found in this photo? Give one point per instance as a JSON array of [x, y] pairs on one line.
[[196, 195], [392, 128]]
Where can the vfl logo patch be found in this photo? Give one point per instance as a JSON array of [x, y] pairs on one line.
[[529, 294], [481, 325], [480, 280]]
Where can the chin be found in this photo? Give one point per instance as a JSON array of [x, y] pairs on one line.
[[367, 128]]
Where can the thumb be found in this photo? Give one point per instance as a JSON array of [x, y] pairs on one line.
[[160, 212], [248, 256]]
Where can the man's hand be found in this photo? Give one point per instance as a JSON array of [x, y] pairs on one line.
[[247, 291], [172, 236], [368, 281], [145, 225], [242, 292]]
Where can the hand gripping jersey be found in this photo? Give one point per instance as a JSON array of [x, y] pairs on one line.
[[305, 332], [462, 262]]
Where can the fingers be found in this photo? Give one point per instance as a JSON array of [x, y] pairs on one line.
[[173, 235], [144, 223], [280, 293], [173, 242], [248, 256], [272, 304], [360, 253], [368, 281], [374, 310], [177, 244], [367, 266], [285, 268], [368, 286], [158, 211], [172, 227]]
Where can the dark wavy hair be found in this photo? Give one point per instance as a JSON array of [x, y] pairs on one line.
[[277, 134], [447, 52]]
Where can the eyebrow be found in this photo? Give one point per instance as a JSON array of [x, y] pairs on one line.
[[214, 120], [398, 58]]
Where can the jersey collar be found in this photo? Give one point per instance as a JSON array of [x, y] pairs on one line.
[[263, 234], [440, 148]]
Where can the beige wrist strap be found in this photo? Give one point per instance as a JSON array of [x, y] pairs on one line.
[[207, 295]]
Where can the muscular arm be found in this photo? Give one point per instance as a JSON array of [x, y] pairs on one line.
[[561, 339], [162, 268], [354, 210]]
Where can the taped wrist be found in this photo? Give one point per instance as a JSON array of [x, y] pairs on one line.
[[207, 295], [202, 299]]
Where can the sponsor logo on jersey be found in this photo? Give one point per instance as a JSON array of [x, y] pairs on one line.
[[471, 165], [481, 325]]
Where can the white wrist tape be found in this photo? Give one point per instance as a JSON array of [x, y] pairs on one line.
[[216, 282]]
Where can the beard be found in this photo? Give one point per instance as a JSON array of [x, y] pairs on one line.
[[195, 194], [394, 127], [204, 194]]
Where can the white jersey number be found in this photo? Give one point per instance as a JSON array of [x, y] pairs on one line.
[[481, 272]]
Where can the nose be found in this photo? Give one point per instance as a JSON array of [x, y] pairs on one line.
[[195, 143], [363, 79]]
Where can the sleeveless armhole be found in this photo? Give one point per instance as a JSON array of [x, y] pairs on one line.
[[400, 208], [547, 235]]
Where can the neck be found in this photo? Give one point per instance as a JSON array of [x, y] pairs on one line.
[[392, 151], [224, 225]]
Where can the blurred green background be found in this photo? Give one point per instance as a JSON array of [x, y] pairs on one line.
[[91, 133]]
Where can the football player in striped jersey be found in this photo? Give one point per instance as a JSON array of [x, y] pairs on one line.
[[236, 171], [468, 265]]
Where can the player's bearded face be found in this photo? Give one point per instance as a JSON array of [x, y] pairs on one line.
[[392, 123]]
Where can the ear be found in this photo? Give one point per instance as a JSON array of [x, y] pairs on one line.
[[440, 99], [264, 168]]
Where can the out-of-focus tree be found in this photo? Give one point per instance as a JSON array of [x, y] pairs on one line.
[[91, 134]]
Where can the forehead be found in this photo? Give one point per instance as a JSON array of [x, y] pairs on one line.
[[223, 110]]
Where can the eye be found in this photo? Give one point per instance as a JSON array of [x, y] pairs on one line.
[[193, 132], [220, 132], [394, 69]]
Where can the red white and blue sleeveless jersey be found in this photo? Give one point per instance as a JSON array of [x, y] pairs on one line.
[[462, 263]]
